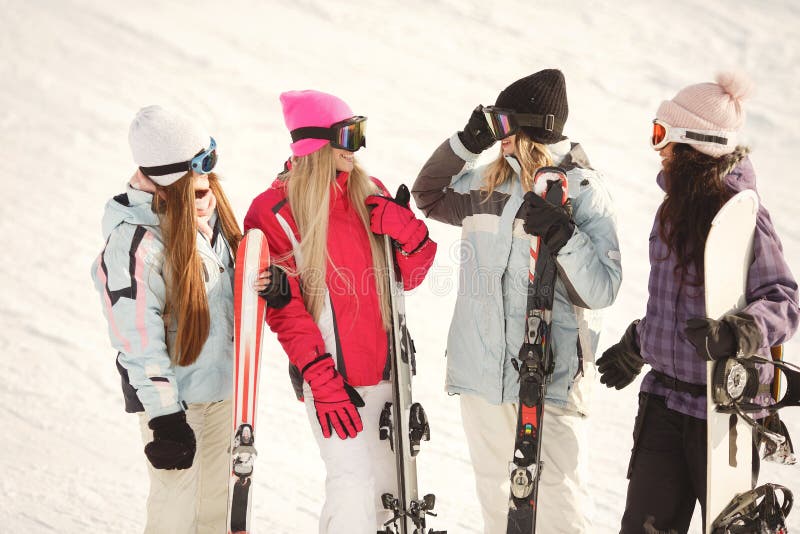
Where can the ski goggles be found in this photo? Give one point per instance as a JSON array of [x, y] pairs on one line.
[[349, 134], [202, 163], [663, 134], [506, 122]]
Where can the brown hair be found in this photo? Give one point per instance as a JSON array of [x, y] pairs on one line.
[[185, 288], [531, 156], [695, 193]]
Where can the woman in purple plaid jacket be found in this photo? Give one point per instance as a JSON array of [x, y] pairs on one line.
[[695, 134]]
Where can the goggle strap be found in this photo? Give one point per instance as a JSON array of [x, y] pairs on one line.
[[311, 132], [548, 122], [163, 170], [703, 138]]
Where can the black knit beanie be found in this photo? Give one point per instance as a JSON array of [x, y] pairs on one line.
[[541, 93]]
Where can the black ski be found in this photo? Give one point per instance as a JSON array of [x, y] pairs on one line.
[[535, 365]]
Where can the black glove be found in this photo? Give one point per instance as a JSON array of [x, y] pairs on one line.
[[552, 223], [736, 334], [277, 293], [621, 363], [476, 135], [173, 444]]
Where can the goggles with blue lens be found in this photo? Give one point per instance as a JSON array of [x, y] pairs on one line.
[[506, 122], [202, 163], [349, 134]]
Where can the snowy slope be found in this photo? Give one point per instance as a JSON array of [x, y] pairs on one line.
[[74, 73]]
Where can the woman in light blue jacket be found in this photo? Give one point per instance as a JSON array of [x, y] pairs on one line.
[[487, 329], [165, 278]]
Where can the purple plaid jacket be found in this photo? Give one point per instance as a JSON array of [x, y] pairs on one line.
[[772, 298]]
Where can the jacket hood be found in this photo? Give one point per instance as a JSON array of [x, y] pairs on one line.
[[132, 207]]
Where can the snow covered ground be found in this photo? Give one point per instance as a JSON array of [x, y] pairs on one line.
[[73, 74]]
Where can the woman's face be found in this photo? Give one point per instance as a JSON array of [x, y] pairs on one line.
[[509, 145], [666, 154], [201, 185], [344, 160]]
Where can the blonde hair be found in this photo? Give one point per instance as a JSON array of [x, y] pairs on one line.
[[308, 189], [185, 287], [531, 156]]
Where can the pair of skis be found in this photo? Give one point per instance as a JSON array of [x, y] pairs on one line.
[[252, 258], [403, 423], [535, 366]]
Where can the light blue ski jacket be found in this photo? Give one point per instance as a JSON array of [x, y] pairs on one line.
[[487, 329], [128, 275]]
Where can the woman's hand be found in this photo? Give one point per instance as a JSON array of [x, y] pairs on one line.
[[263, 281]]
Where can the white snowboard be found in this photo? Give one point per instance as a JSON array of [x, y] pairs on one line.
[[728, 255]]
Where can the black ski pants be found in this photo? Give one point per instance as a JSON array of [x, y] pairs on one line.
[[667, 470]]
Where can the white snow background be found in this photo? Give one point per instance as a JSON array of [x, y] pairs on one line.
[[75, 72]]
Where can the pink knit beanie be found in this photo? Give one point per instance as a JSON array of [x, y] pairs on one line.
[[710, 106], [312, 108]]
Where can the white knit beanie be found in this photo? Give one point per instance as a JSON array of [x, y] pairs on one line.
[[158, 137], [710, 106]]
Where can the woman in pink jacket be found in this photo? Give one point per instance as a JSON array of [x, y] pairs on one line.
[[324, 218]]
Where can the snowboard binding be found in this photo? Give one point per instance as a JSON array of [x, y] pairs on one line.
[[734, 389], [759, 511]]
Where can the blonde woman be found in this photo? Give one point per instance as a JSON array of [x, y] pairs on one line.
[[498, 213], [165, 278], [324, 218]]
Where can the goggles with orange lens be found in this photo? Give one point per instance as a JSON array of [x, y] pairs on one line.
[[663, 134], [349, 134], [506, 122]]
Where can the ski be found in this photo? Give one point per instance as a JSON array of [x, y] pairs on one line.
[[403, 423], [249, 312], [535, 366]]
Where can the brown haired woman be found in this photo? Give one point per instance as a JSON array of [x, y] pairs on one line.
[[165, 278]]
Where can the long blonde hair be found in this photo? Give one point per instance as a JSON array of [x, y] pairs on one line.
[[308, 189], [185, 288], [531, 156]]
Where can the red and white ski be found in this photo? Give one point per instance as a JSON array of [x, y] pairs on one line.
[[249, 313]]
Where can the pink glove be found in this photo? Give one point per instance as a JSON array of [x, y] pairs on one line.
[[334, 400], [393, 217]]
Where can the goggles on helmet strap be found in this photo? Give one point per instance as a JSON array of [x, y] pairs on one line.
[[506, 122], [349, 134], [202, 163], [663, 134]]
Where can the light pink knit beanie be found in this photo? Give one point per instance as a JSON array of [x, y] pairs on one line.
[[312, 108], [710, 106]]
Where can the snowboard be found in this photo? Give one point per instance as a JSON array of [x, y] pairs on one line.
[[403, 422], [728, 255], [249, 313], [535, 365]]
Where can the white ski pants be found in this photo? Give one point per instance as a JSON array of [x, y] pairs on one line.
[[358, 471], [564, 502], [194, 500]]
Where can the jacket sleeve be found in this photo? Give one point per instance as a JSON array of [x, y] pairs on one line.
[[772, 291], [296, 329], [132, 292], [589, 264], [434, 189], [413, 267]]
